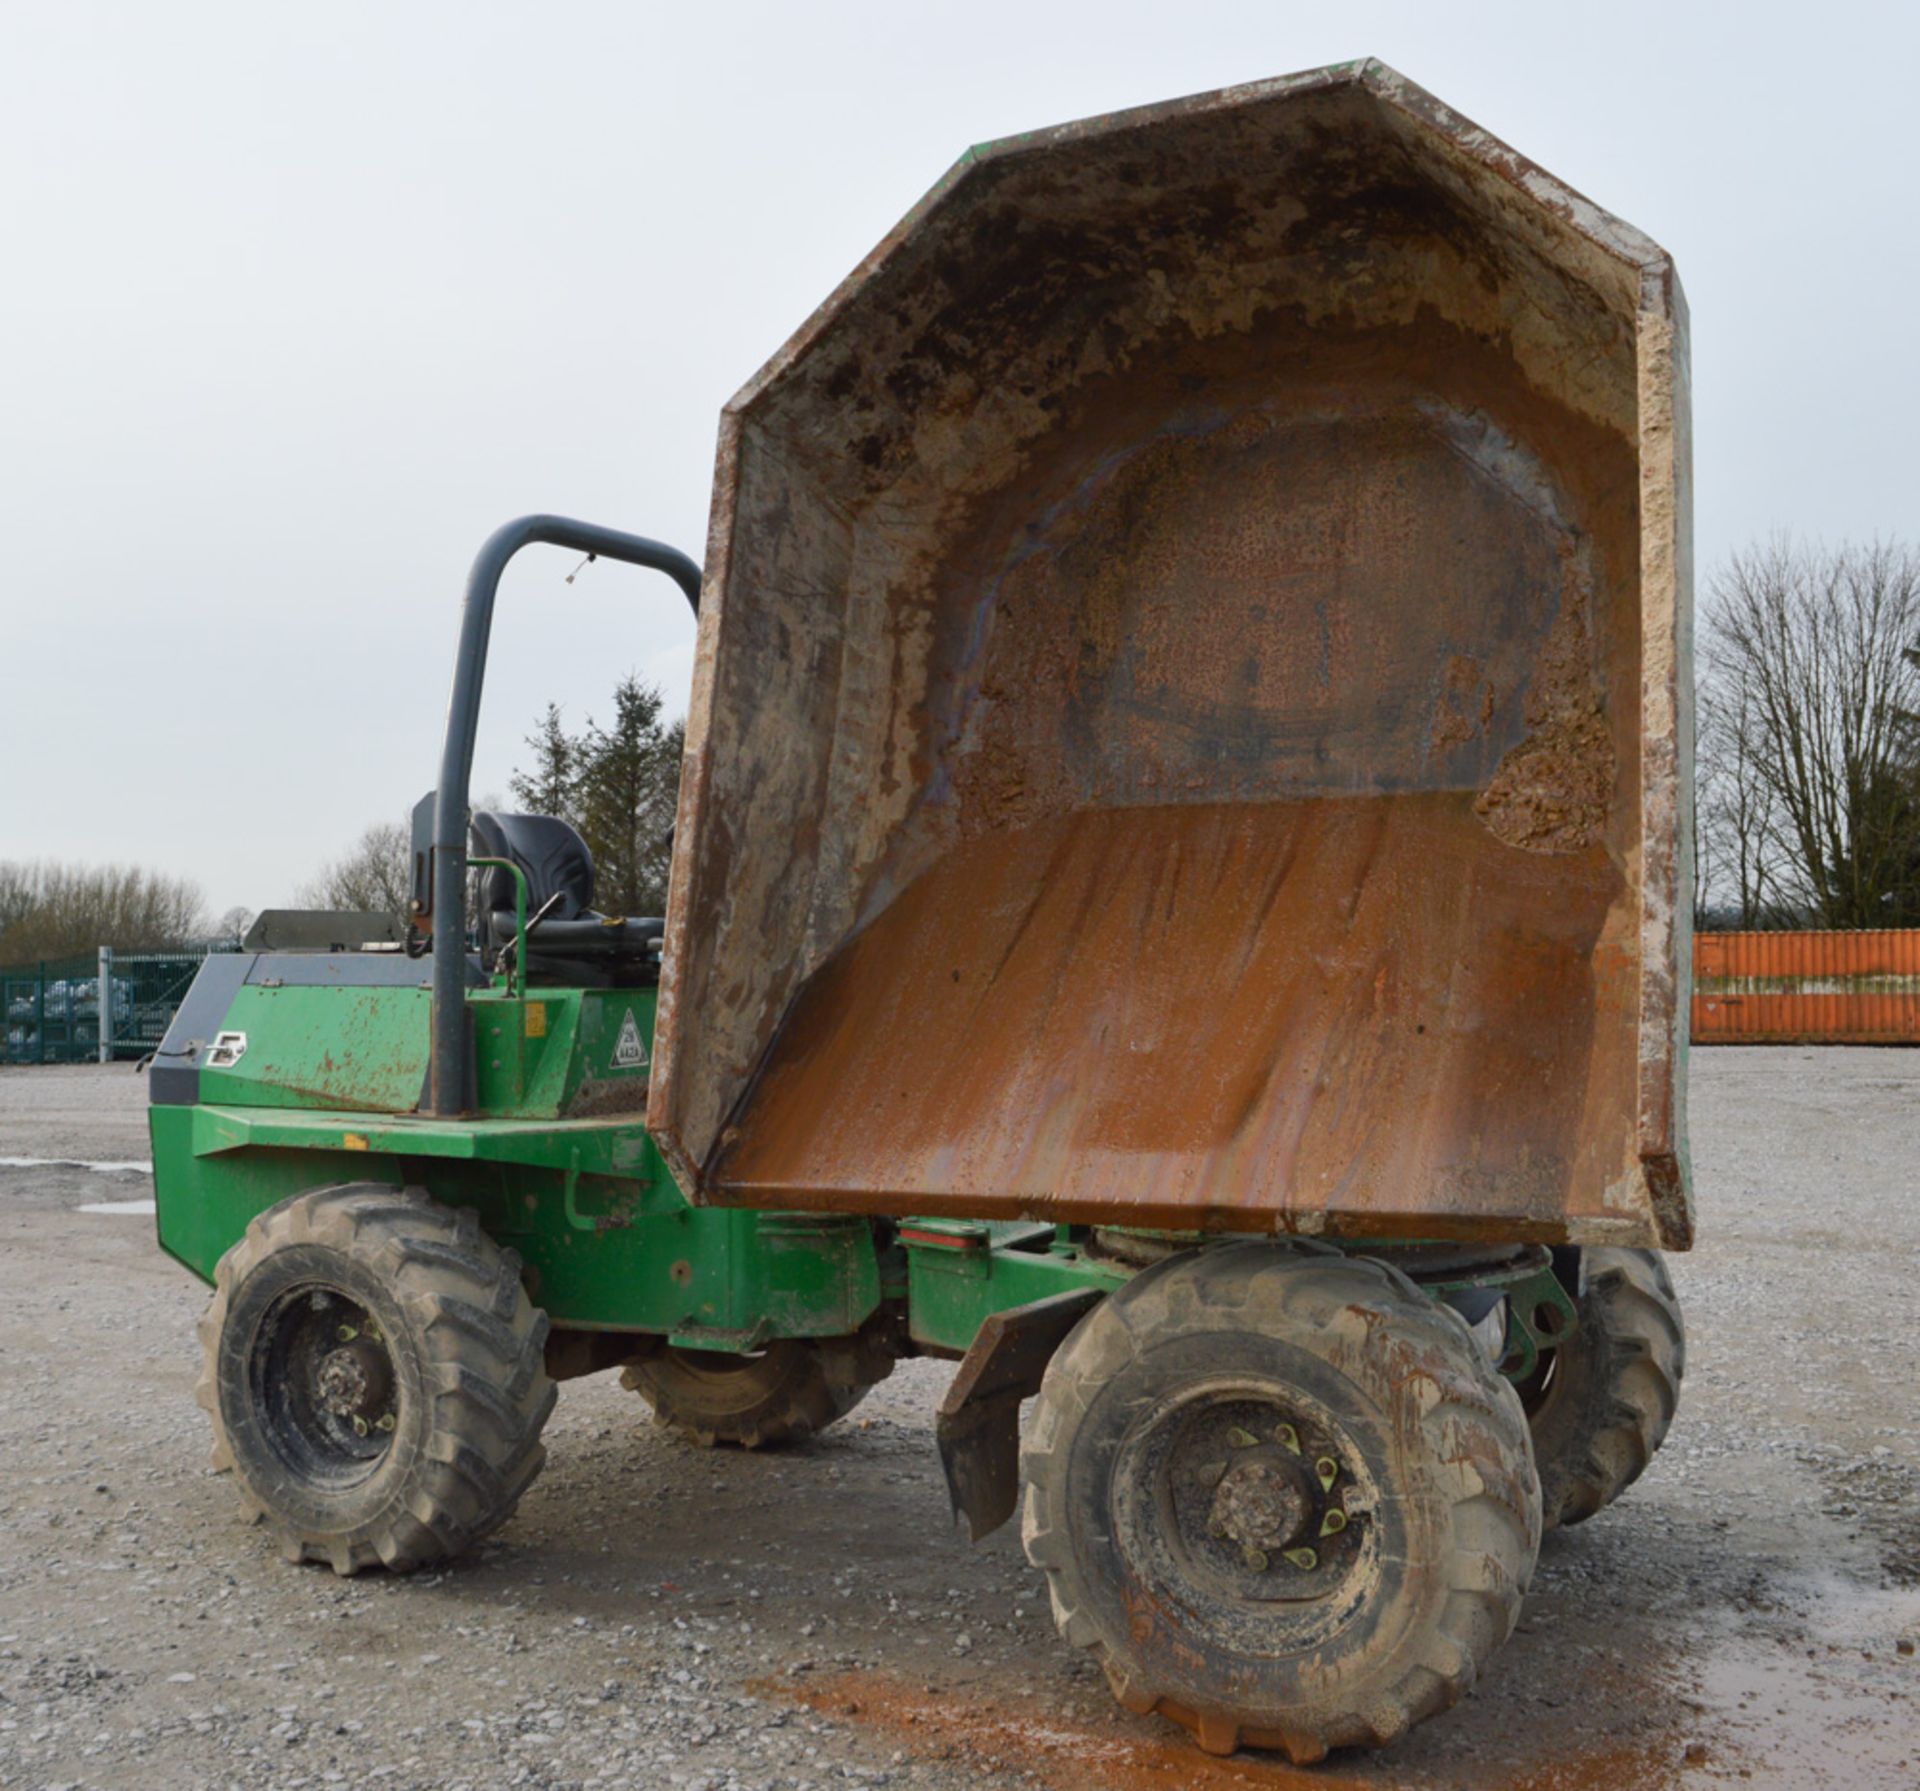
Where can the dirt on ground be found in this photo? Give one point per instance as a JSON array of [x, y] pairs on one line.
[[656, 1616]]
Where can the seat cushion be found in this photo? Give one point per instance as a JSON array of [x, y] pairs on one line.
[[551, 853]]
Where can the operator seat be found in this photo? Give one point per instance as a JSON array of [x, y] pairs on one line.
[[572, 942]]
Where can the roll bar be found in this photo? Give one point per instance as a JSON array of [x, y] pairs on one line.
[[449, 1090]]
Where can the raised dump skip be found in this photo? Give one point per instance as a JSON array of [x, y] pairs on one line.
[[1190, 719]]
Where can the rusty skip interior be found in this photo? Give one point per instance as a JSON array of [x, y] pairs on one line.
[[1187, 729]]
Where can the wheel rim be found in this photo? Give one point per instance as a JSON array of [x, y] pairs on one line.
[[1249, 1507], [325, 1385]]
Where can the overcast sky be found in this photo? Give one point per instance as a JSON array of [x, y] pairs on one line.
[[296, 304]]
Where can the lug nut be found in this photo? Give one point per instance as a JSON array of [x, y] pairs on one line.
[[1255, 1559], [1303, 1558], [1241, 1439]]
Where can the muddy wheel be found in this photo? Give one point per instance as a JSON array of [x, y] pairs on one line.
[[1601, 1404], [784, 1393], [1282, 1497], [374, 1375]]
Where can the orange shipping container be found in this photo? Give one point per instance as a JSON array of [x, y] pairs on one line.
[[1811, 988]]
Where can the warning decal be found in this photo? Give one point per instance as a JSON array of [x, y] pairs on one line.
[[628, 1052]]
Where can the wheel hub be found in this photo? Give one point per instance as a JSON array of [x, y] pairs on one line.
[[1258, 1496], [1262, 1504], [355, 1381]]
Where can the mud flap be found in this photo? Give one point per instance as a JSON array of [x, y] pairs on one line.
[[978, 1427]]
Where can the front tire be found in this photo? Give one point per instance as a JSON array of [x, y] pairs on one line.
[[1282, 1497], [375, 1376]]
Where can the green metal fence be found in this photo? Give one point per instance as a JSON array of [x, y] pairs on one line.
[[51, 1009], [157, 982]]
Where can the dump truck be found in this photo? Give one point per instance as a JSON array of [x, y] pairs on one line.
[[1178, 906]]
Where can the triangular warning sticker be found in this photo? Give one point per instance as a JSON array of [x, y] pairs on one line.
[[628, 1052]]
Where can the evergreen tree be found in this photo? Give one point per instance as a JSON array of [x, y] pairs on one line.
[[618, 785], [549, 788], [628, 781]]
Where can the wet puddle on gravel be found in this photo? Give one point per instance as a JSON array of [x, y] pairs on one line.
[[1827, 1698]]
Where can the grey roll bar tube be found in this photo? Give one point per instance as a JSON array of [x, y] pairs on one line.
[[449, 1091]]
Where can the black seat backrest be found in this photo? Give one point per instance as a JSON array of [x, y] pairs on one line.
[[553, 856]]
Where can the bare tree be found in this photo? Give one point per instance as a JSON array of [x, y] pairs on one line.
[[375, 876], [17, 893], [63, 910], [1806, 739], [1735, 837]]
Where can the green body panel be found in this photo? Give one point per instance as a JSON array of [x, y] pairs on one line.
[[204, 1206], [324, 1091], [324, 1047], [959, 1273], [364, 1050], [608, 1242]]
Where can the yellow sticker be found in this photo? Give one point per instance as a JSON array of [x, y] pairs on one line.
[[354, 1141], [536, 1019]]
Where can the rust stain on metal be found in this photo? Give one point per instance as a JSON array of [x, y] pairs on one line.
[[1189, 722], [1214, 1012]]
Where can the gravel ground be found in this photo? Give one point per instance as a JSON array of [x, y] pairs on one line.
[[659, 1617]]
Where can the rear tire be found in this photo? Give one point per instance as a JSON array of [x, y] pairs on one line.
[[1602, 1403], [374, 1372], [1281, 1497], [785, 1393]]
